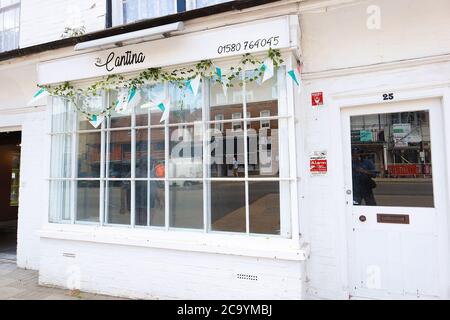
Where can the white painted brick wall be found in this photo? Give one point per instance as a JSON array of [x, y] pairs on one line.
[[44, 21], [33, 189], [140, 272]]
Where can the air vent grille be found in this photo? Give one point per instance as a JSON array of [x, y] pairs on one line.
[[243, 276]]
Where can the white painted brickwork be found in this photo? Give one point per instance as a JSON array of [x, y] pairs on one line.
[[139, 272], [33, 191], [44, 21], [328, 40]]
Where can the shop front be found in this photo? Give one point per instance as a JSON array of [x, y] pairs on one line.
[[171, 174]]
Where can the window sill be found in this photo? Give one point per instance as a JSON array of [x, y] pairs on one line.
[[240, 245]]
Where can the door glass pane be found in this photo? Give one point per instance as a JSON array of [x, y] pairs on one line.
[[391, 159]]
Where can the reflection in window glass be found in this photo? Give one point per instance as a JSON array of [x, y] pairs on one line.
[[263, 149], [89, 155], [391, 160], [119, 202], [224, 106], [93, 104], [183, 175], [185, 107], [122, 118], [186, 152], [153, 190], [88, 199], [264, 207], [186, 204], [119, 157], [262, 97], [227, 206], [227, 152], [151, 96]]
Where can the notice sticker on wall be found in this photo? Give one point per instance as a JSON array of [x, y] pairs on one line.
[[317, 99], [318, 163]]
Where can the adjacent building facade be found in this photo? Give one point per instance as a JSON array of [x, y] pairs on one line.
[[327, 179]]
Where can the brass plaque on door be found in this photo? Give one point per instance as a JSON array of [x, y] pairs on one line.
[[393, 218]]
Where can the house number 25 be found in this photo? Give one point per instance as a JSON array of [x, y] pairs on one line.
[[388, 96]]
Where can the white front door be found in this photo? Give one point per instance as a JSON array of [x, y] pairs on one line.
[[396, 200]]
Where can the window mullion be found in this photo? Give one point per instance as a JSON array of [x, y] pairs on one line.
[[166, 163], [107, 162], [149, 144], [289, 93], [133, 168], [206, 156], [73, 182], [244, 106], [102, 173]]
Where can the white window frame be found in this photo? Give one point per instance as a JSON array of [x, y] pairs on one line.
[[14, 6], [288, 181]]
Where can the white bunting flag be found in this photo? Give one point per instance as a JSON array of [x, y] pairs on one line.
[[165, 107], [225, 82], [134, 97], [122, 103], [195, 84], [268, 69], [38, 98], [96, 121]]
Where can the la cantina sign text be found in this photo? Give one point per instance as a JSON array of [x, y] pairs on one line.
[[126, 59]]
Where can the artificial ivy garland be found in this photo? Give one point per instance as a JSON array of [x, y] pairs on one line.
[[181, 76]]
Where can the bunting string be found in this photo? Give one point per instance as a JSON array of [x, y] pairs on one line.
[[186, 77]]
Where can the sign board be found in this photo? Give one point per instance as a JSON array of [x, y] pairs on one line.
[[404, 133], [318, 163], [257, 36]]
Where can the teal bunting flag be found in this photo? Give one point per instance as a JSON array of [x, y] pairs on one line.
[[294, 77], [219, 72]]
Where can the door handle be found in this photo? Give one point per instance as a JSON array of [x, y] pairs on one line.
[[362, 218]]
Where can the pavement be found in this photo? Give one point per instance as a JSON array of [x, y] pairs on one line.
[[21, 284]]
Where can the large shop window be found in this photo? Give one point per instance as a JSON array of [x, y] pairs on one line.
[[9, 24], [217, 165]]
